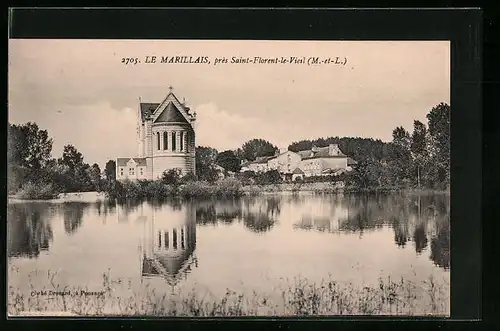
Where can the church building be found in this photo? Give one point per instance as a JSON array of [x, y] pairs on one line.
[[165, 140]]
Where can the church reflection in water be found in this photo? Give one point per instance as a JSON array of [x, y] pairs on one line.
[[169, 242]]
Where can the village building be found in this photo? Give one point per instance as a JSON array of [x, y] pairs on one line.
[[259, 165], [165, 140], [285, 161], [323, 161], [318, 161]]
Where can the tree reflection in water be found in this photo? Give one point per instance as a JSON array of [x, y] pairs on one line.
[[411, 218], [28, 229], [73, 215], [420, 238], [260, 215], [440, 247]]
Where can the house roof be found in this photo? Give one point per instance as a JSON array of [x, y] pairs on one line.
[[332, 170], [122, 161], [319, 152], [304, 154], [297, 171], [171, 114]]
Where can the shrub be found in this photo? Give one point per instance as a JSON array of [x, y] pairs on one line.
[[228, 187], [171, 177], [32, 190]]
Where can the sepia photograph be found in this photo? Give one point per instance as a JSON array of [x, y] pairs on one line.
[[217, 178]]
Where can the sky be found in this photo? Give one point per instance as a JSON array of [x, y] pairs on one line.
[[81, 92]]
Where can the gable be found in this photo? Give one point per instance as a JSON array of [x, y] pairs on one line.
[[171, 114], [171, 99]]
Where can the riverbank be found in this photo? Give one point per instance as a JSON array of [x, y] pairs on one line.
[[87, 197], [231, 189], [299, 297]]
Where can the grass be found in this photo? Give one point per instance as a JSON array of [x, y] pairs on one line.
[[299, 297]]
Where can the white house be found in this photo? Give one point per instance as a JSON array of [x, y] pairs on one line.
[[131, 168]]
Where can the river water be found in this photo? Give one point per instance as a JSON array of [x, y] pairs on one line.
[[251, 244]]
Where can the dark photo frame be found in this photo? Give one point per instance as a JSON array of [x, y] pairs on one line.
[[462, 27]]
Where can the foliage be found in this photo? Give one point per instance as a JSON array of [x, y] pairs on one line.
[[257, 148], [28, 150], [110, 170], [269, 177], [38, 191], [205, 164], [228, 161], [171, 177]]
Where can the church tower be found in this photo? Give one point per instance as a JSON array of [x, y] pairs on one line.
[[166, 136]]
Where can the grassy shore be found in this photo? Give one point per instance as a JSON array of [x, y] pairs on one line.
[[228, 187], [299, 297]]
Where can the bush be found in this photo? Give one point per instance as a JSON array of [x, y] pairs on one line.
[[171, 177], [228, 187], [32, 190]]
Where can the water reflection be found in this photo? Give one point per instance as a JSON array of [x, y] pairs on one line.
[[28, 231], [258, 214], [73, 215], [412, 218], [167, 229], [168, 238]]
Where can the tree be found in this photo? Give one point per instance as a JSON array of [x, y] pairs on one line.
[[205, 163], [78, 172], [95, 176], [29, 146], [228, 161], [419, 147], [400, 155], [439, 132], [257, 148], [269, 177], [171, 177], [71, 157], [110, 170]]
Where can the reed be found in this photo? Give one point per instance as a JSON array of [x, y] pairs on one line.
[[297, 297]]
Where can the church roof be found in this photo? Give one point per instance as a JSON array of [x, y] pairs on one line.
[[147, 108], [122, 161], [170, 268], [171, 114]]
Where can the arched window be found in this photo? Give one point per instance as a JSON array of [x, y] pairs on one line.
[[181, 142], [186, 141], [158, 139], [174, 238], [165, 140], [174, 141]]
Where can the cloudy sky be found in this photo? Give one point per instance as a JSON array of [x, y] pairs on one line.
[[83, 95]]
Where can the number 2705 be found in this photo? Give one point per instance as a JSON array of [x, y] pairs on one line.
[[130, 60]]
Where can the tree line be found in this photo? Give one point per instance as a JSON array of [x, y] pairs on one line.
[[417, 159], [30, 162]]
